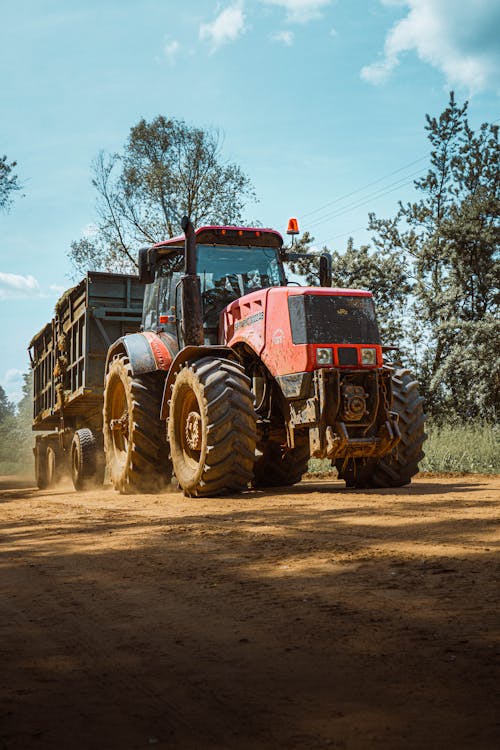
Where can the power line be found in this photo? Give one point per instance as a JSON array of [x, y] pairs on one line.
[[367, 199], [360, 189]]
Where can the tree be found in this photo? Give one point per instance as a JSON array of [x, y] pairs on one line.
[[6, 407], [167, 169], [16, 437], [451, 237], [9, 182]]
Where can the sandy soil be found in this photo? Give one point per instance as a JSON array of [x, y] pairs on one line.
[[314, 617]]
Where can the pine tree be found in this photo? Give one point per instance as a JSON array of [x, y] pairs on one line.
[[451, 238]]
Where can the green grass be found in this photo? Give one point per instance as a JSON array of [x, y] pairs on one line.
[[471, 448]]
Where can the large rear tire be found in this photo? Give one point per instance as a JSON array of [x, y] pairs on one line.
[[279, 466], [212, 427], [396, 469], [134, 436]]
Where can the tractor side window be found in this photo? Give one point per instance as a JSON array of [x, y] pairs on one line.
[[159, 296], [169, 297], [150, 306]]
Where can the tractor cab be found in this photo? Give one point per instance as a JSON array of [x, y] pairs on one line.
[[230, 262]]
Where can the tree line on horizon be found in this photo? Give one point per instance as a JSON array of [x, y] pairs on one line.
[[433, 267]]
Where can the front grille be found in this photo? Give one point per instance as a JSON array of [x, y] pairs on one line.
[[347, 355], [333, 319]]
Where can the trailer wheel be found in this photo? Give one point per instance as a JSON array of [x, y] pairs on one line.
[[48, 462], [211, 427], [281, 467], [55, 463], [86, 471], [134, 436], [41, 477], [396, 469]]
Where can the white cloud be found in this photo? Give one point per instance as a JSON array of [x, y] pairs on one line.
[[300, 11], [15, 285], [227, 27], [286, 37], [13, 376], [171, 49], [459, 38]]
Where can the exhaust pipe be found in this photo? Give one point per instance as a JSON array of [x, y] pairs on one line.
[[192, 319]]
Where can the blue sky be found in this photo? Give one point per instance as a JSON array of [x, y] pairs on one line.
[[316, 100]]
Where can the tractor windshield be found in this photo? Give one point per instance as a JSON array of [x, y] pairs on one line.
[[237, 269]]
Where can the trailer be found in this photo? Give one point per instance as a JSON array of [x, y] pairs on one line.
[[68, 358]]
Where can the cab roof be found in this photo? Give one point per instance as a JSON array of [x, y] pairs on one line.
[[226, 235]]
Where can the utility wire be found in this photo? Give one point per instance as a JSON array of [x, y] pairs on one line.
[[340, 236], [369, 184], [346, 209], [360, 189], [367, 199]]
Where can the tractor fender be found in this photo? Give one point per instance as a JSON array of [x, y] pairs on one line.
[[146, 351], [191, 354]]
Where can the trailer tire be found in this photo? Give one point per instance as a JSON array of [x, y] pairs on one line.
[[55, 461], [49, 460], [85, 465], [279, 467], [41, 477], [397, 468], [134, 436], [212, 427]]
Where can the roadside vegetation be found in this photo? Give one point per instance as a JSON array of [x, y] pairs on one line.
[[469, 448], [16, 437]]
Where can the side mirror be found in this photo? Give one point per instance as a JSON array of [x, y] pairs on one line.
[[325, 270], [146, 261]]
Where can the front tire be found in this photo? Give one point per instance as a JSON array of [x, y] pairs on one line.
[[397, 468], [134, 438], [211, 427]]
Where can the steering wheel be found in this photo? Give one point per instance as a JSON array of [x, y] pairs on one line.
[[215, 299]]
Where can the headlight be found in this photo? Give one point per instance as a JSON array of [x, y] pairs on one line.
[[324, 356], [368, 356]]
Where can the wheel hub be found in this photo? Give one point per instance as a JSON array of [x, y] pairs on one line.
[[193, 431], [120, 425]]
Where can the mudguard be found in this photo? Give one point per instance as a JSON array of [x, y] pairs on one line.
[[146, 351]]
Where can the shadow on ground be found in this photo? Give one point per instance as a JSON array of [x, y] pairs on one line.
[[271, 620]]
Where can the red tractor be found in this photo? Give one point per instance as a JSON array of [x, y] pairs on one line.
[[237, 377]]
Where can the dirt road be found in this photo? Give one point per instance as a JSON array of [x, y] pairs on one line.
[[309, 618]]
